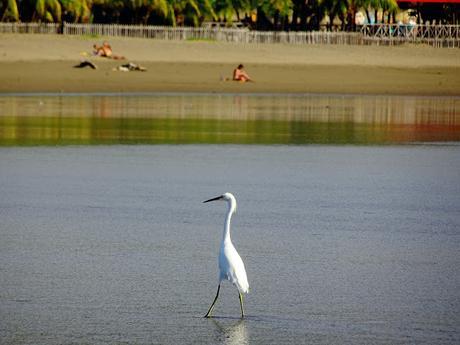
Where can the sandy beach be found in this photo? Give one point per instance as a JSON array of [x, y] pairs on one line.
[[44, 63]]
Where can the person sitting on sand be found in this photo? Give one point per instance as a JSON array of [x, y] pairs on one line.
[[98, 50], [106, 51], [239, 74]]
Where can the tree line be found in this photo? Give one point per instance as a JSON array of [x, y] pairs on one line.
[[256, 14]]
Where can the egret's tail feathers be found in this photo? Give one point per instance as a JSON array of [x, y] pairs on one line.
[[242, 287]]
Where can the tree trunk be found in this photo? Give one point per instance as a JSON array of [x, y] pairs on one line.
[[262, 21], [368, 15], [343, 21], [303, 18], [276, 20], [295, 16]]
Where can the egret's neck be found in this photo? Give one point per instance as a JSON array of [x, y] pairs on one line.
[[228, 218]]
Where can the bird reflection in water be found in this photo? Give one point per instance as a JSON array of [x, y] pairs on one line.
[[234, 333]]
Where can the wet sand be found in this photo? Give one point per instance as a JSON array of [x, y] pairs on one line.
[[44, 63]]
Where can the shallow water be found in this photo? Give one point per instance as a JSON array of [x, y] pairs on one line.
[[217, 119], [342, 244]]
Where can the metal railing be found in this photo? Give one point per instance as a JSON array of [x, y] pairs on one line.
[[393, 34]]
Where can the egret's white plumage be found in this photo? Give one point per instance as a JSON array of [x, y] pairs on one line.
[[231, 266]]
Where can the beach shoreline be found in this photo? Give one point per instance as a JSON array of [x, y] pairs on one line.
[[44, 63]]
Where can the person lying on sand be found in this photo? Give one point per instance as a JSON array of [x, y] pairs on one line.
[[239, 74], [106, 51]]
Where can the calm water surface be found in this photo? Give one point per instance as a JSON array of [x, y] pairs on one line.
[[108, 245], [111, 244], [218, 119]]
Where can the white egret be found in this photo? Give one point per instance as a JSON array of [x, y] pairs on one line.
[[231, 266]]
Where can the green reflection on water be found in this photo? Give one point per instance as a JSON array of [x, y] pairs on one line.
[[89, 131], [235, 119]]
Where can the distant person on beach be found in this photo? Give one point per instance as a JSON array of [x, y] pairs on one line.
[[239, 74], [98, 50], [106, 51]]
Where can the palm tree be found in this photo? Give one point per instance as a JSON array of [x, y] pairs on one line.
[[9, 11], [77, 11], [299, 14], [335, 8], [228, 10], [352, 8], [45, 11], [191, 12], [368, 5], [272, 13], [389, 7], [141, 10]]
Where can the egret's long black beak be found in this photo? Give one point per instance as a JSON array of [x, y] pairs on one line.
[[214, 199]]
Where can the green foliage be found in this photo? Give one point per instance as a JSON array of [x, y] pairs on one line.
[[229, 10], [10, 11], [77, 11], [299, 14], [270, 7], [48, 10]]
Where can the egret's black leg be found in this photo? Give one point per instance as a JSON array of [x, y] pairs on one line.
[[241, 304], [208, 314]]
